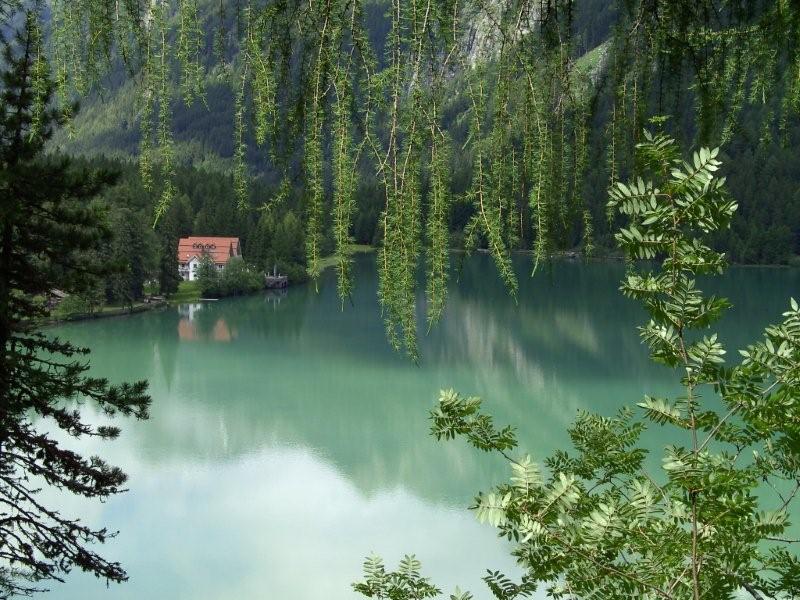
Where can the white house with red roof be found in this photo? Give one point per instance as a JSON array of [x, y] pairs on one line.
[[191, 251]]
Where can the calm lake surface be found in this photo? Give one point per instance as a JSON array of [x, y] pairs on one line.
[[287, 440]]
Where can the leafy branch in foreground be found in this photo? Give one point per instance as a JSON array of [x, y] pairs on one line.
[[713, 522]]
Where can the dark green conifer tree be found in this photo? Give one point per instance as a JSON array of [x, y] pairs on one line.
[[168, 276], [49, 232], [129, 258]]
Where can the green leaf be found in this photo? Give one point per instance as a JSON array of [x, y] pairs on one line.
[[526, 476], [491, 509], [660, 411]]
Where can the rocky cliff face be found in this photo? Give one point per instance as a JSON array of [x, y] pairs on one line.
[[483, 39]]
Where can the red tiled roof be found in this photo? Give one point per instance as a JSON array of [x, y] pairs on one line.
[[219, 248]]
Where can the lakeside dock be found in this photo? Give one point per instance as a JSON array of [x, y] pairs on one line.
[[273, 282]]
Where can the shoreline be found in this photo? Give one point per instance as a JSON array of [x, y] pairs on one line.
[[572, 255], [328, 262], [104, 314]]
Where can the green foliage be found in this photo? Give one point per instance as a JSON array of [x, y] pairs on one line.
[[514, 94], [169, 233], [157, 66], [344, 166], [404, 584], [205, 204], [132, 256], [52, 236], [208, 278], [278, 244], [438, 230], [188, 291], [237, 278], [460, 416], [595, 522], [71, 305], [240, 183], [234, 279], [189, 51]]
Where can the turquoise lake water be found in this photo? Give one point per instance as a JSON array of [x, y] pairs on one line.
[[287, 440]]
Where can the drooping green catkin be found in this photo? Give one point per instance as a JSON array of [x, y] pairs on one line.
[[190, 46], [401, 172], [407, 230], [259, 58], [561, 167], [612, 133], [387, 251], [513, 219], [60, 65], [501, 150], [344, 168], [40, 75], [487, 207], [147, 101], [130, 32], [438, 231], [314, 166], [97, 23], [588, 234], [412, 229], [166, 149], [580, 158], [541, 157], [74, 35], [240, 175], [391, 251], [220, 34], [313, 169], [541, 227]]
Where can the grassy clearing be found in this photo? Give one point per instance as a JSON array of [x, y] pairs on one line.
[[188, 291], [330, 261], [591, 60]]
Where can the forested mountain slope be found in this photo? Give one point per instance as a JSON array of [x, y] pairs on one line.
[[763, 165]]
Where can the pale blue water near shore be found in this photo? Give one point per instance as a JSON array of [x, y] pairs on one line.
[[287, 440]]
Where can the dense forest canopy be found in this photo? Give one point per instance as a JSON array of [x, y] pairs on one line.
[[489, 112]]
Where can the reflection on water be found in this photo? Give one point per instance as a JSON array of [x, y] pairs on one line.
[[287, 440], [193, 327]]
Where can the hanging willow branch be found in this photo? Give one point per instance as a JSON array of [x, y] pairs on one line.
[[308, 82], [488, 206], [240, 179], [438, 231], [166, 148], [314, 139], [344, 167], [40, 71], [189, 51]]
